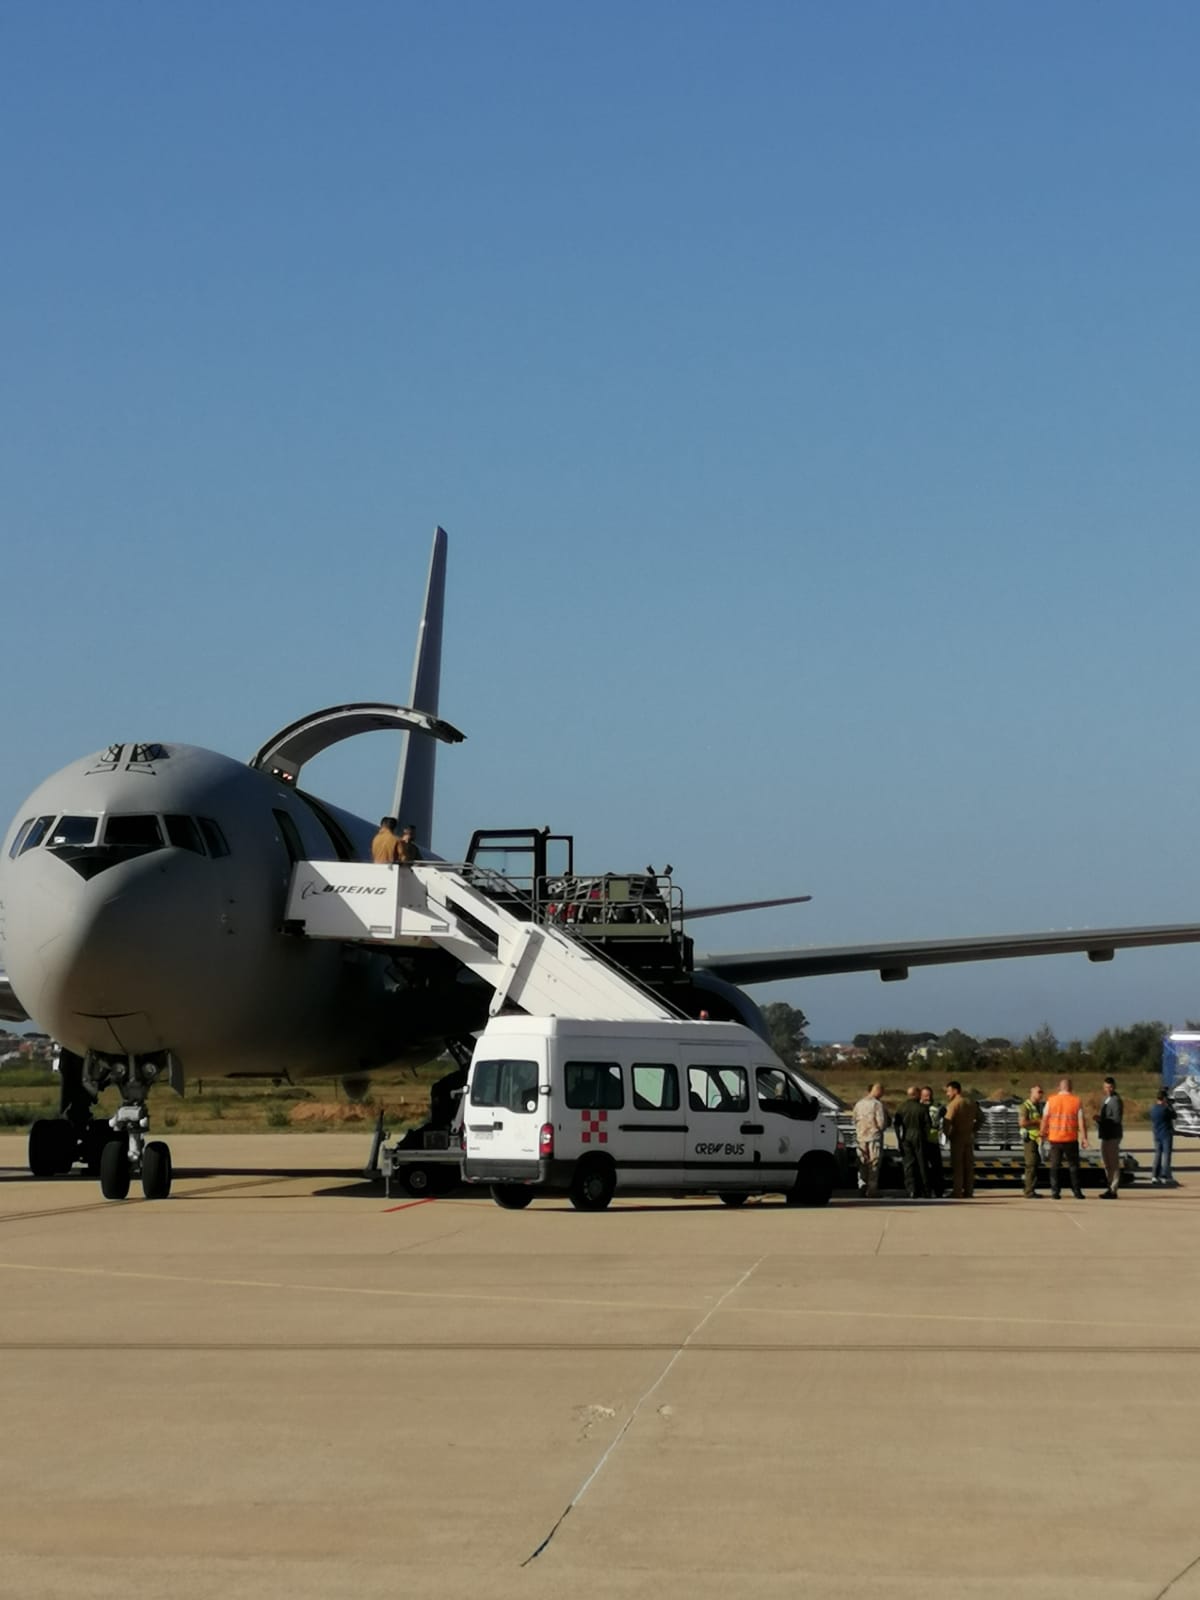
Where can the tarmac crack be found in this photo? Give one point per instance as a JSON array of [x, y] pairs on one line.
[[1162, 1593], [632, 1417]]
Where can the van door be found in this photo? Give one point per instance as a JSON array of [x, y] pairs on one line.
[[724, 1134], [501, 1119], [790, 1120], [652, 1128]]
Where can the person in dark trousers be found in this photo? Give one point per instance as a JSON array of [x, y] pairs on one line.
[[934, 1174], [1110, 1124], [1030, 1120], [1162, 1122], [911, 1122], [1065, 1131]]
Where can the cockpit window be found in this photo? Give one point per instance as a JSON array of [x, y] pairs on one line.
[[37, 832], [14, 849], [213, 837], [139, 830], [183, 833], [73, 830]]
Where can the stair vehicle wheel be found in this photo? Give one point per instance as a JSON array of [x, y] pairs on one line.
[[512, 1196], [593, 1184], [52, 1147], [156, 1170], [733, 1199], [418, 1180], [114, 1170]]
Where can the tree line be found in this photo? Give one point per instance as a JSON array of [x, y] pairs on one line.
[[1135, 1049]]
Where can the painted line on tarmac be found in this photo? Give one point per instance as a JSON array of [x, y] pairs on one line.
[[526, 1347], [950, 1316], [344, 1289], [139, 1200], [629, 1421], [407, 1205]]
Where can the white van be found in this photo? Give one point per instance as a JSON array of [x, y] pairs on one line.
[[559, 1106]]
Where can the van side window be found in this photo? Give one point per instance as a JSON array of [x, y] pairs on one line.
[[718, 1089], [593, 1086], [778, 1093], [510, 1085], [655, 1088]]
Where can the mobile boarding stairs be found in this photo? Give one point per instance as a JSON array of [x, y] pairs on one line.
[[532, 943]]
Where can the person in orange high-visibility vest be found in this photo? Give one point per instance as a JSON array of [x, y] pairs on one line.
[[1065, 1130]]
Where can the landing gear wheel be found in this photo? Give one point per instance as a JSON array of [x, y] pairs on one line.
[[95, 1140], [418, 1181], [512, 1196], [52, 1147], [114, 1170], [156, 1170], [733, 1199], [593, 1185]]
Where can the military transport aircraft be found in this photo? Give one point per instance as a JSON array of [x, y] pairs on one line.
[[142, 894]]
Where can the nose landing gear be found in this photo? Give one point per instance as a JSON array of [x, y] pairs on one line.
[[130, 1154]]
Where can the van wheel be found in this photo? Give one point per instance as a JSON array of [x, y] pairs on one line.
[[416, 1180], [512, 1196], [814, 1184], [733, 1199], [593, 1184]]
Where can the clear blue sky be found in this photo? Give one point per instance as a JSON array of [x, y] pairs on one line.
[[809, 392]]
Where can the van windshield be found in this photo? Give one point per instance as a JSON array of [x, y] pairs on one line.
[[510, 1085]]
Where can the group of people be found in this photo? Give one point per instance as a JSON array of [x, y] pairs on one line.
[[1053, 1130], [920, 1123], [388, 846]]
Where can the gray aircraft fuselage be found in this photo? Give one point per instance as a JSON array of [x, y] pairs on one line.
[[162, 929]]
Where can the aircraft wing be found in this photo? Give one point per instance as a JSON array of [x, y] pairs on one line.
[[11, 1009], [892, 961]]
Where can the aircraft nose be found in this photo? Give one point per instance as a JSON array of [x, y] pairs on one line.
[[101, 957]]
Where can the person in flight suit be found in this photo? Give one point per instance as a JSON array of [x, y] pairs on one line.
[[386, 846], [1029, 1119], [912, 1122], [961, 1119]]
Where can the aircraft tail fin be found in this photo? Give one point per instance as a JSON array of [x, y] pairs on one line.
[[413, 801]]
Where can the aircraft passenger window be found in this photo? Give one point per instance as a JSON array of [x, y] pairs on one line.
[[141, 831], [778, 1092], [509, 1085], [14, 849], [183, 833], [655, 1088], [74, 830], [593, 1086], [718, 1089], [290, 835], [213, 837], [36, 834]]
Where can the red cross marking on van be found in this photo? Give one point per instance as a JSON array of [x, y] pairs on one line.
[[592, 1122]]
